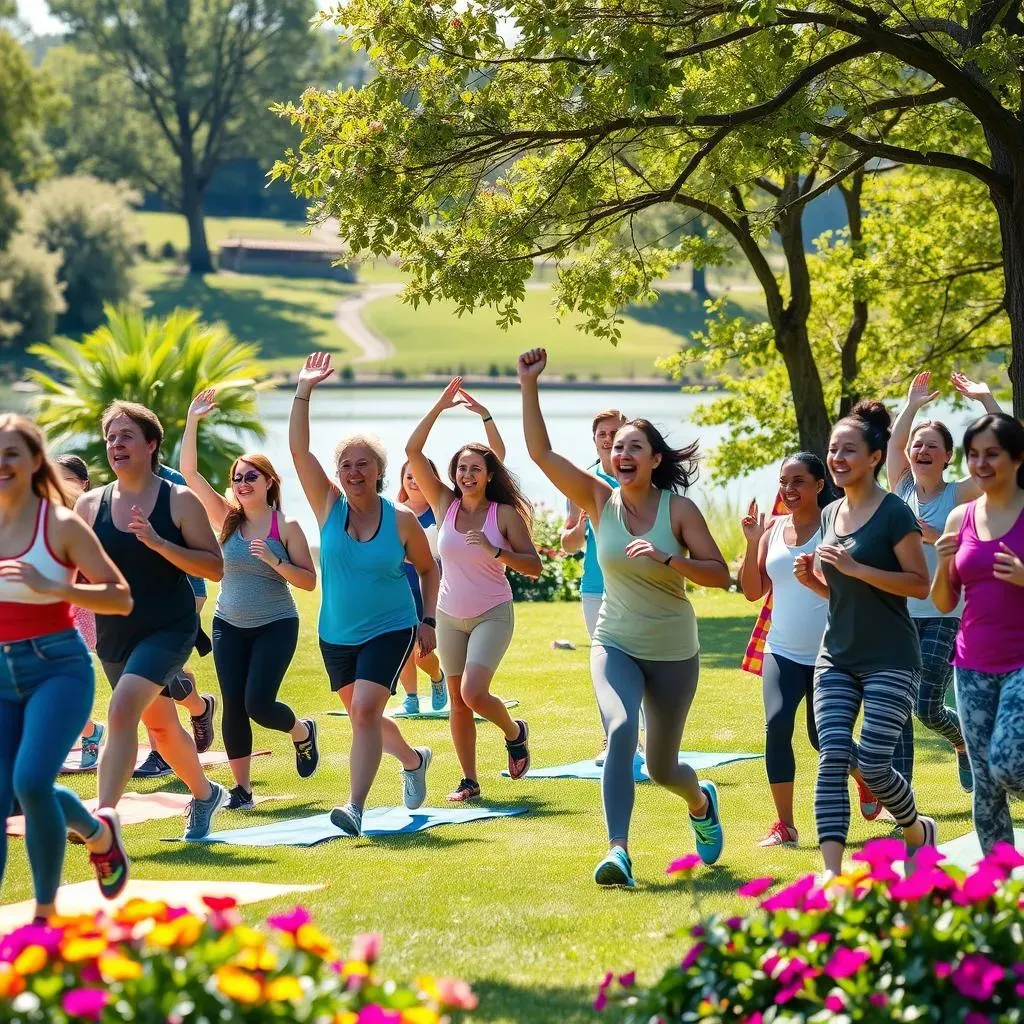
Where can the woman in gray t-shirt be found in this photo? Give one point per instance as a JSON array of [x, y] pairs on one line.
[[869, 562]]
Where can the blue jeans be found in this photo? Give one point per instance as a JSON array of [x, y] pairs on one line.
[[47, 686]]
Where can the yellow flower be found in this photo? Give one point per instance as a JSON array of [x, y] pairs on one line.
[[249, 937], [116, 967], [12, 984], [181, 932], [312, 940], [420, 1015], [253, 959], [30, 960], [355, 969], [282, 990], [427, 984], [78, 950], [345, 1017], [137, 910], [238, 985]]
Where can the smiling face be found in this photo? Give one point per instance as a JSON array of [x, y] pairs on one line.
[[633, 460], [409, 483], [928, 454], [471, 476], [991, 466], [849, 460], [798, 486], [249, 485], [128, 451], [604, 438], [358, 470], [17, 464]]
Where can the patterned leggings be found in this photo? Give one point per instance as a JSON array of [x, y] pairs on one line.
[[992, 713], [888, 699]]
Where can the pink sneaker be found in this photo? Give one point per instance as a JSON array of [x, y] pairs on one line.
[[870, 805], [781, 834]]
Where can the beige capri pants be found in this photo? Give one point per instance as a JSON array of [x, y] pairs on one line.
[[482, 640]]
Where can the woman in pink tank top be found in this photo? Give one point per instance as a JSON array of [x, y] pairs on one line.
[[485, 529], [981, 554]]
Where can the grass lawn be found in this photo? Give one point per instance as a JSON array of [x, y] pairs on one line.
[[158, 228], [509, 904]]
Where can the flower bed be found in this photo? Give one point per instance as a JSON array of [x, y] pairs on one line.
[[154, 964], [935, 945]]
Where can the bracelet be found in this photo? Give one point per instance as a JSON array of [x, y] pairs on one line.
[[280, 562], [429, 620], [488, 419], [499, 552], [668, 561], [299, 398]]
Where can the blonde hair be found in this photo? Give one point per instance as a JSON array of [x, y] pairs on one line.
[[376, 447]]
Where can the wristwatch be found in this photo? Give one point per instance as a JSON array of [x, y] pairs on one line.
[[429, 620]]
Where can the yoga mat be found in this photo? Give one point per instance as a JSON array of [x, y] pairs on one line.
[[965, 851], [381, 821], [425, 712], [697, 760], [85, 898], [211, 759]]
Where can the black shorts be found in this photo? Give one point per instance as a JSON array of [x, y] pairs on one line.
[[159, 657], [379, 659]]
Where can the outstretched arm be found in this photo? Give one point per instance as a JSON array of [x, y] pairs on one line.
[[436, 492], [494, 441], [316, 485], [918, 396], [216, 505], [753, 580], [975, 390]]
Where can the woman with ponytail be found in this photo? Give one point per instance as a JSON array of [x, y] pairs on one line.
[[255, 622]]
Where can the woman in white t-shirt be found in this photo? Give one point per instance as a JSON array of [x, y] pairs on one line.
[[797, 623]]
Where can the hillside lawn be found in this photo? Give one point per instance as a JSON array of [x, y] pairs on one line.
[[510, 904]]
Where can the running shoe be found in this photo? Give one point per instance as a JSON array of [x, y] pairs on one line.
[[708, 830], [931, 835], [780, 834], [467, 789], [438, 693], [599, 760], [519, 751], [199, 813], [112, 868], [91, 747], [202, 725], [154, 767], [240, 799], [349, 819], [411, 704], [963, 768], [414, 783], [615, 869], [307, 752], [870, 805]]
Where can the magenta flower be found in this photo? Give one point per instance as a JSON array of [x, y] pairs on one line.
[[973, 1017], [928, 857], [846, 962], [1005, 856], [755, 887], [692, 957], [834, 1003], [822, 938], [12, 944], [943, 970], [878, 999], [366, 948], [916, 886], [290, 922], [734, 923], [85, 1002], [795, 970], [789, 937], [791, 897], [600, 1001], [378, 1015], [697, 931], [982, 883], [602, 992], [769, 964], [627, 980], [755, 1018], [976, 976], [784, 995], [816, 900], [882, 851], [683, 865]]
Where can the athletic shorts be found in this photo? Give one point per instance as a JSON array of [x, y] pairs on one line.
[[379, 659], [159, 657], [482, 640]]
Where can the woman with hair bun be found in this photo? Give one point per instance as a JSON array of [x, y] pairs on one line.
[[869, 562], [255, 623], [650, 542]]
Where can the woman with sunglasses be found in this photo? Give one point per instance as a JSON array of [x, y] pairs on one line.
[[255, 622]]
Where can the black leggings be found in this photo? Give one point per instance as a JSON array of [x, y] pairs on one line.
[[785, 683], [251, 664]]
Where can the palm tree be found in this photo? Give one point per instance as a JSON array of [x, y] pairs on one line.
[[160, 362]]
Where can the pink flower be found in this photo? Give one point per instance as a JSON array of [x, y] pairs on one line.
[[627, 980], [973, 1017], [378, 1015], [769, 964], [943, 970], [290, 922], [976, 976], [734, 923], [683, 866], [601, 1001], [835, 1003], [1005, 856], [882, 851], [697, 931], [846, 962], [1019, 988], [982, 883], [366, 948], [457, 994], [816, 900], [822, 938], [928, 857], [878, 999], [755, 887], [12, 944], [755, 1018], [789, 937], [794, 971], [784, 995], [692, 957], [916, 886], [85, 1002], [791, 897]]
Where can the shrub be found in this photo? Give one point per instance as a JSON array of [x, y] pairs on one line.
[[30, 294], [873, 946], [90, 223], [560, 573], [168, 252], [150, 963]]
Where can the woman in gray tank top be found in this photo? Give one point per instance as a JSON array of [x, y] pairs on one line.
[[255, 623], [915, 464]]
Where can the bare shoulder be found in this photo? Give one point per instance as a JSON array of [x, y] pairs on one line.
[[88, 504], [955, 518], [685, 509]]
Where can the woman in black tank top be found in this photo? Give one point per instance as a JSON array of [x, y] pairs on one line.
[[157, 534]]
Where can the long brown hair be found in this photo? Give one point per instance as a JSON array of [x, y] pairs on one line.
[[236, 516], [46, 481], [403, 494], [502, 486]]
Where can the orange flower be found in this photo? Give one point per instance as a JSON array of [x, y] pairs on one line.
[[30, 960], [182, 932], [312, 940], [137, 910], [355, 969], [78, 950], [11, 984], [116, 967], [282, 990], [238, 985], [252, 959]]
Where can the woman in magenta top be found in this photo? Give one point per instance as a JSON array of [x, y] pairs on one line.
[[981, 554], [484, 530]]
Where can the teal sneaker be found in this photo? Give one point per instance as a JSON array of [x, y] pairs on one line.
[[411, 704], [91, 747], [708, 830], [615, 869], [963, 768], [438, 693]]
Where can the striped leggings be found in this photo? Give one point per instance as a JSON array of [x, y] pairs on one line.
[[888, 698]]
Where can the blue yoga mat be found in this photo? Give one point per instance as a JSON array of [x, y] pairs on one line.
[[965, 851], [426, 711], [381, 821], [697, 760]]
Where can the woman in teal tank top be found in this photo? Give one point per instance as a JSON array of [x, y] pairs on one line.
[[368, 623], [650, 541]]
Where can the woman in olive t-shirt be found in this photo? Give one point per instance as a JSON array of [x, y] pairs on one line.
[[871, 561]]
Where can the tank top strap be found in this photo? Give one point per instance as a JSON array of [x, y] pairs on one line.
[[664, 510], [967, 523], [492, 516], [453, 511]]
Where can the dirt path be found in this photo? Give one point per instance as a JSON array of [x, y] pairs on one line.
[[349, 317]]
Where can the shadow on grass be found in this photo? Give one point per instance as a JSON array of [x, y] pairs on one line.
[[724, 639], [502, 1000], [682, 312]]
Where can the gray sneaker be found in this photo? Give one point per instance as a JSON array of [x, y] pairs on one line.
[[348, 819], [199, 813], [414, 783]]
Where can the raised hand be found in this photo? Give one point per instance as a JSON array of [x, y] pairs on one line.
[[920, 393], [644, 549], [27, 575], [143, 529], [316, 370], [973, 389], [203, 404], [532, 363], [753, 524], [472, 404], [946, 546], [1008, 566], [452, 395], [478, 540]]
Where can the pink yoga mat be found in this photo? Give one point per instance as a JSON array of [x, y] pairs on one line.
[[211, 759]]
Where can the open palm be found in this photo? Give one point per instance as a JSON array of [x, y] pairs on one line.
[[203, 404], [920, 393], [317, 369]]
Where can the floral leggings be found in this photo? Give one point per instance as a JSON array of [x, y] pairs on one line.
[[991, 706]]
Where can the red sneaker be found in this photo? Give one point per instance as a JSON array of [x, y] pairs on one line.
[[870, 805], [780, 834], [112, 867]]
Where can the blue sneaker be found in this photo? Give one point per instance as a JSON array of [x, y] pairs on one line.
[[411, 704], [91, 747], [708, 830], [615, 869], [963, 767], [438, 693]]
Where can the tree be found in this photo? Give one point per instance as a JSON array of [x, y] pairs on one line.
[[162, 363], [26, 103], [470, 154], [190, 84]]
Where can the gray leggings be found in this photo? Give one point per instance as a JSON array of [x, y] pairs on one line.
[[665, 689]]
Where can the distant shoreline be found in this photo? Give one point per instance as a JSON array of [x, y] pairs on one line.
[[487, 383]]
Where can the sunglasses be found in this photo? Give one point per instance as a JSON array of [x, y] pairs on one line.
[[249, 478]]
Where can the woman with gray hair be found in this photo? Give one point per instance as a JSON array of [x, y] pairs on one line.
[[368, 623]]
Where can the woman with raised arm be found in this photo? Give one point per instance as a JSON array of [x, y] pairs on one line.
[[255, 622], [650, 541], [915, 464], [47, 683], [368, 624], [981, 555], [157, 534], [485, 522], [871, 561], [797, 623]]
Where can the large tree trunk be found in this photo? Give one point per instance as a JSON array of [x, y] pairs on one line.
[[699, 285], [1010, 210], [199, 259]]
